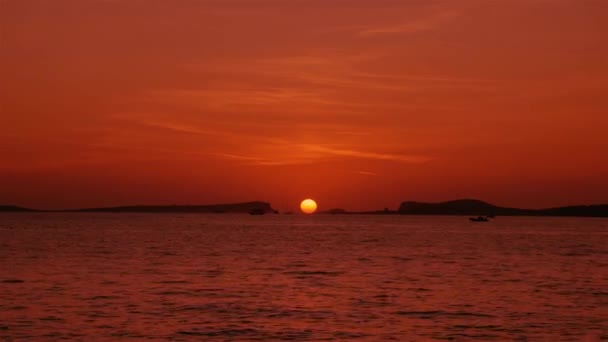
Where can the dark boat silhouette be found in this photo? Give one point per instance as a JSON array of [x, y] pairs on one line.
[[479, 219], [257, 211]]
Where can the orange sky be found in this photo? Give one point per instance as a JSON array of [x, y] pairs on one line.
[[359, 104]]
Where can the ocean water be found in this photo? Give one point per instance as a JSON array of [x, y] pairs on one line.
[[305, 278]]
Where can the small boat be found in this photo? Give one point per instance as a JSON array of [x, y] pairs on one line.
[[479, 219], [257, 211]]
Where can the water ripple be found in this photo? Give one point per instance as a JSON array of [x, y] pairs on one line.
[[288, 277]]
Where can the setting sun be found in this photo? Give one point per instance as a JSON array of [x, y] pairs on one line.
[[308, 206]]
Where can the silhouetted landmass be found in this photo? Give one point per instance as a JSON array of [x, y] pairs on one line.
[[213, 208], [386, 211], [477, 207], [578, 210], [468, 207], [13, 208]]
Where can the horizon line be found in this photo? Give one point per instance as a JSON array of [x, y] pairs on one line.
[[380, 209]]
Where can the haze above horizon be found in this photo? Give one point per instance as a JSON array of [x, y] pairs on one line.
[[357, 104]]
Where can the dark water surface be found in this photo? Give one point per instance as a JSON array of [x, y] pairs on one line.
[[278, 277]]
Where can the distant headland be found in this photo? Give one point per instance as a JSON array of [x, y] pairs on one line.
[[244, 207], [477, 207], [468, 207], [473, 207]]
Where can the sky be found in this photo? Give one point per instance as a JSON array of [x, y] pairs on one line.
[[358, 104]]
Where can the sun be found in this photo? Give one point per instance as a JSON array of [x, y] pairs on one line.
[[308, 206]]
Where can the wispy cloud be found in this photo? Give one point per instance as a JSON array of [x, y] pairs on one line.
[[366, 173], [319, 68], [269, 146], [237, 157], [252, 160], [179, 127], [431, 22], [366, 154], [296, 154]]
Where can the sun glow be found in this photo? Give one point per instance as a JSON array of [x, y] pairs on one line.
[[308, 206]]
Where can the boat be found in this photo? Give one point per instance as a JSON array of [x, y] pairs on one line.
[[479, 219], [257, 211]]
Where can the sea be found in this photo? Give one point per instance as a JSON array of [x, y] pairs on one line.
[[224, 277]]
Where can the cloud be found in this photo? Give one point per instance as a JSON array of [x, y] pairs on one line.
[[237, 157], [272, 149], [428, 23], [252, 160], [178, 127], [415, 159], [366, 173], [299, 154]]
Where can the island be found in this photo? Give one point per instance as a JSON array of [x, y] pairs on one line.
[[477, 207], [462, 207], [474, 207], [245, 207]]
